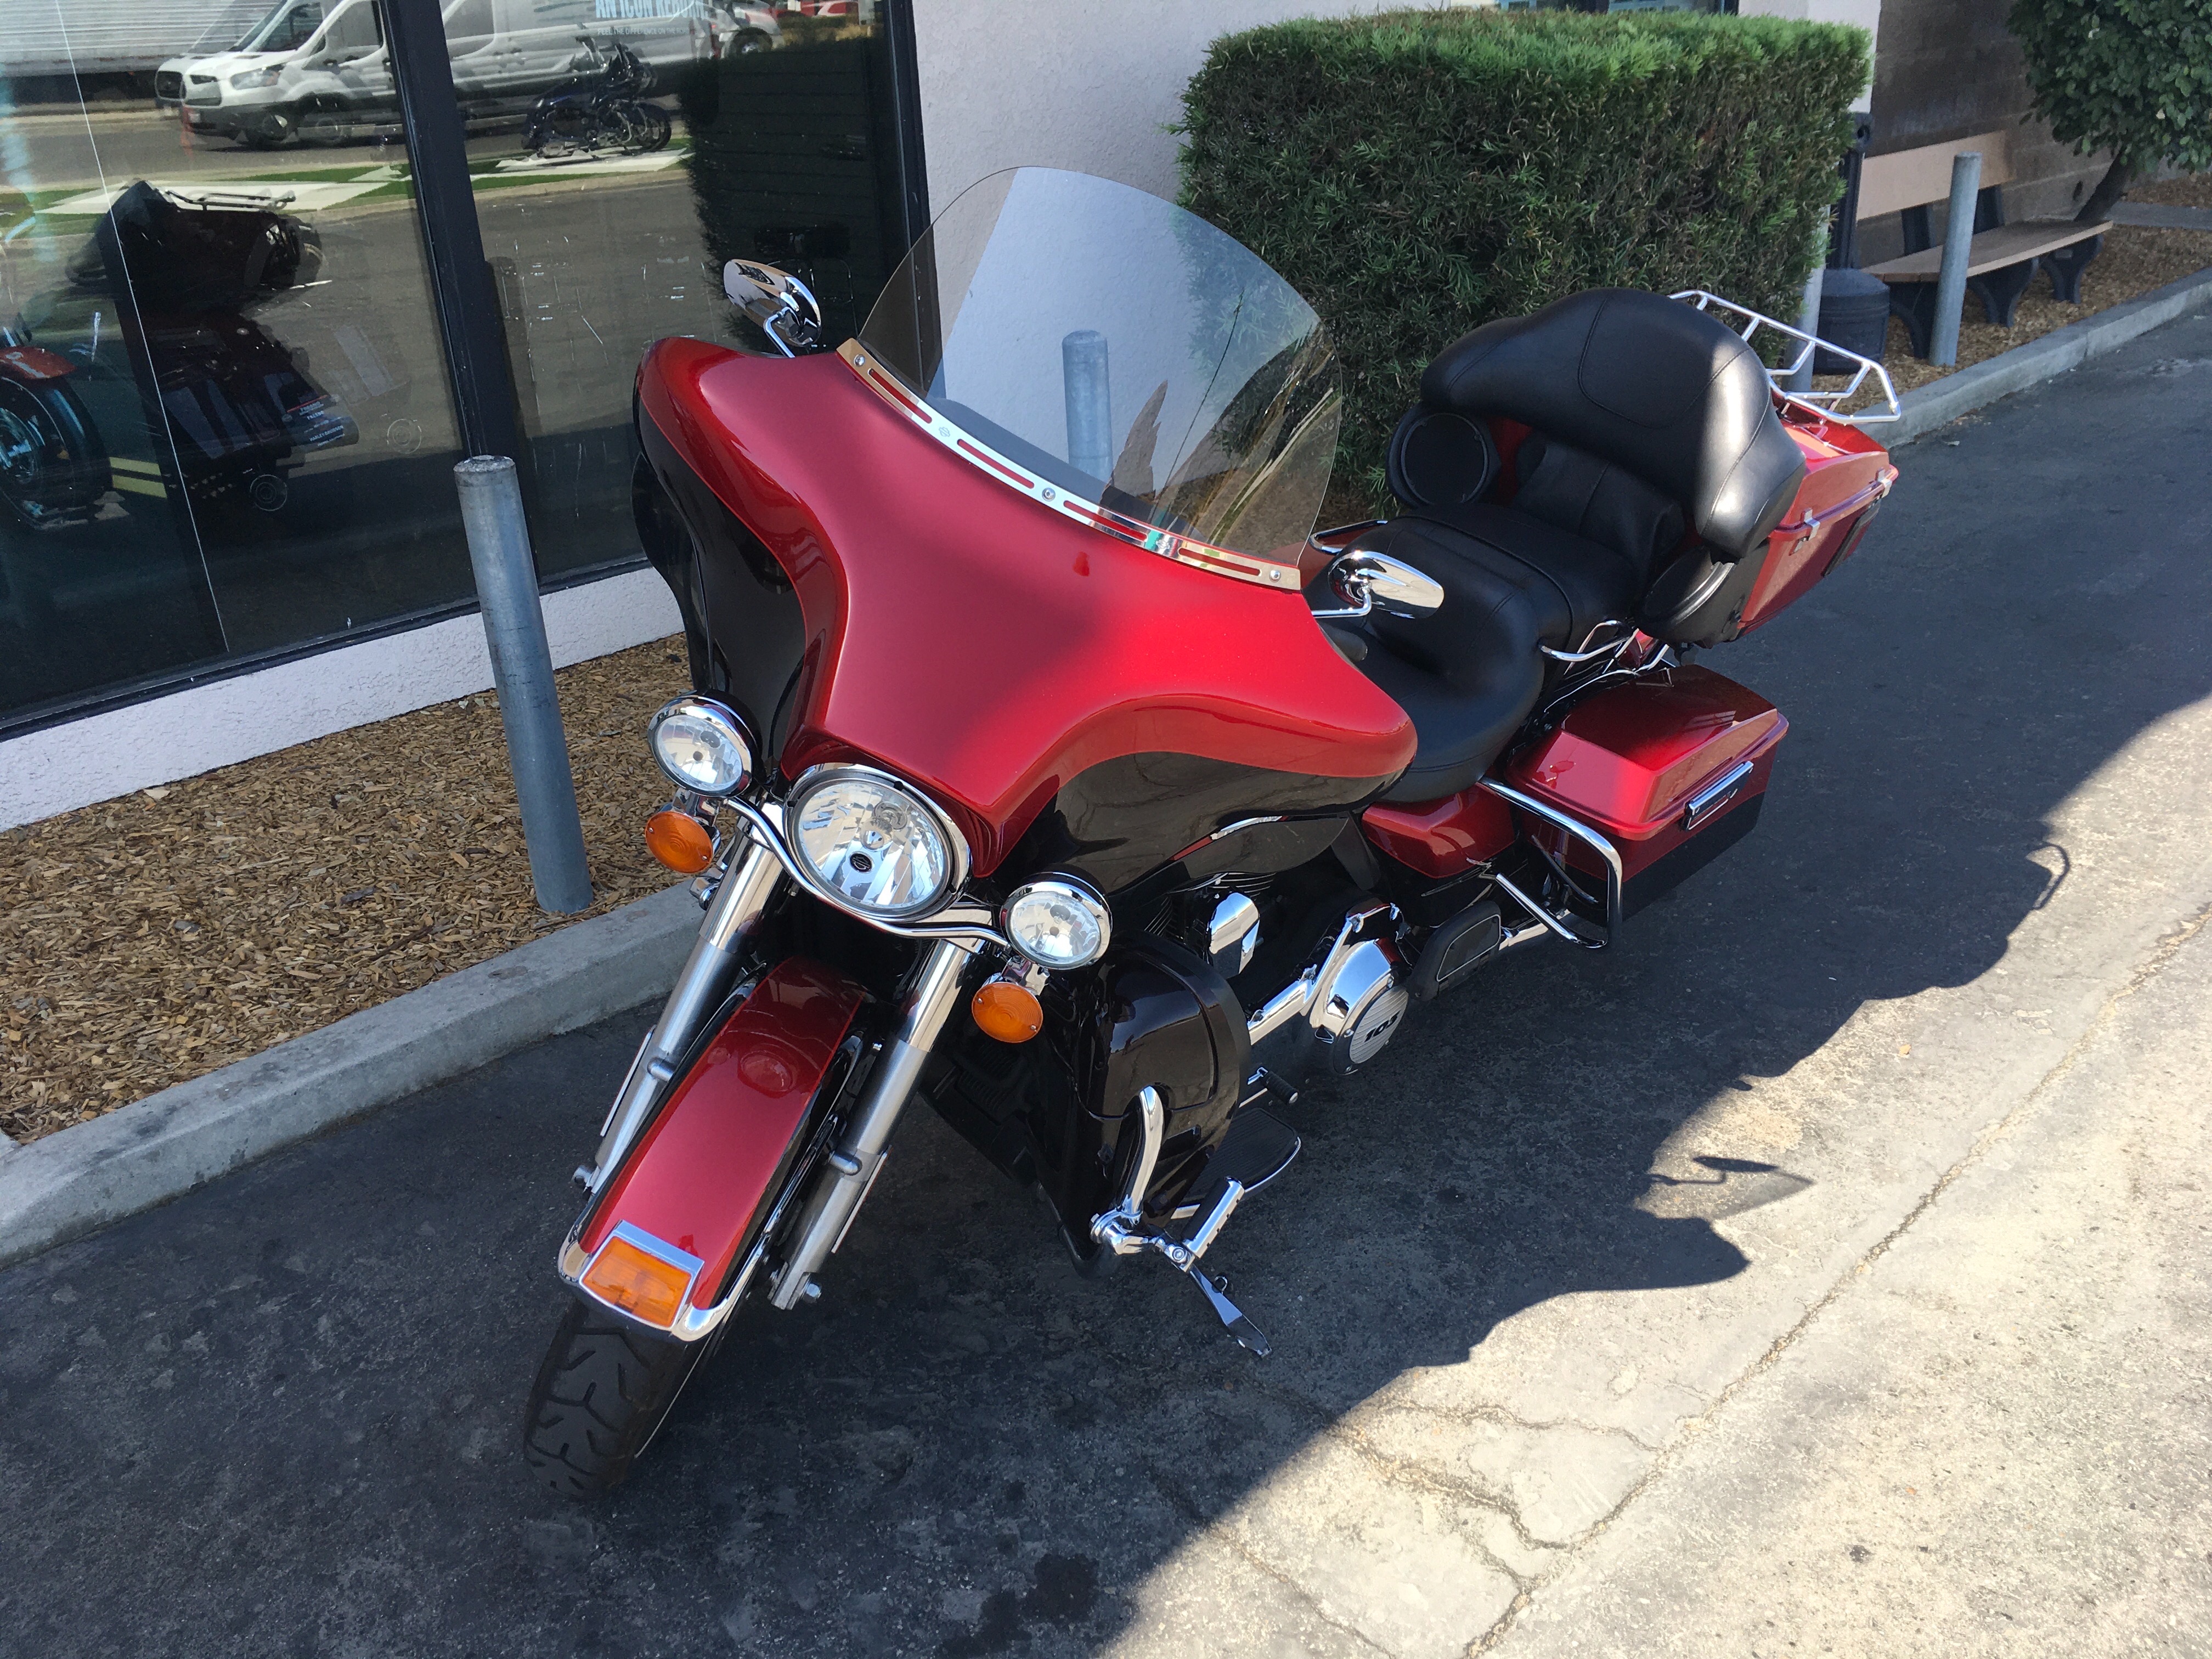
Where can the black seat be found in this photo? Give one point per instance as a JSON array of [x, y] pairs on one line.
[[1655, 468], [1467, 676]]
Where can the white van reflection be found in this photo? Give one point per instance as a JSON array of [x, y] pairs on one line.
[[318, 70]]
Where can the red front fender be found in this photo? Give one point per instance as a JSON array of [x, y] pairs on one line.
[[700, 1182]]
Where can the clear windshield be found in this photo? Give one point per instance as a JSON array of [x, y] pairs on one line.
[[1125, 350]]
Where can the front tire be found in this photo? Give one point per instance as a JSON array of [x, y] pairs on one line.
[[602, 1391]]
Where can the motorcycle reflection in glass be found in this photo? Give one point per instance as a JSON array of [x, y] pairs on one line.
[[1221, 807], [239, 404], [603, 110]]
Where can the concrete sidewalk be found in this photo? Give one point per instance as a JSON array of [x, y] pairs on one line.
[[1996, 1435], [1581, 1225]]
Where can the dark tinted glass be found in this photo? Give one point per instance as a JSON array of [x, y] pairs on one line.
[[225, 425], [622, 150]]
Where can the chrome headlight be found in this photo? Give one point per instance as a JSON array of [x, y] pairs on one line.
[[1059, 923], [877, 844], [702, 745]]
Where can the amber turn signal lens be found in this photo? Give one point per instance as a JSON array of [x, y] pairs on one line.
[[679, 841], [1007, 1011], [638, 1282]]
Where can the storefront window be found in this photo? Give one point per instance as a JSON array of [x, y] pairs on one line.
[[226, 429], [622, 150]]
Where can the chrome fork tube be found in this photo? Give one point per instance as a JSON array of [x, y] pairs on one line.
[[744, 894], [850, 1170]]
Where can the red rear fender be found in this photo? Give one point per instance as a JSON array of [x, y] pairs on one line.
[[699, 1183]]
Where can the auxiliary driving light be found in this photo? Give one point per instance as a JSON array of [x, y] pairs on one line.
[[1059, 923], [702, 745]]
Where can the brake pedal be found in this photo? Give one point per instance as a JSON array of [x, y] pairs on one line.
[[1216, 1292]]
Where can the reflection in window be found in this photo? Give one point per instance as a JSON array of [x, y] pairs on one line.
[[225, 428], [223, 421], [650, 148]]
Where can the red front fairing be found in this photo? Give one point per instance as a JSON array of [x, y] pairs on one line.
[[979, 643]]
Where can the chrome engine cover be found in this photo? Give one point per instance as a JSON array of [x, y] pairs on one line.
[[1359, 1006]]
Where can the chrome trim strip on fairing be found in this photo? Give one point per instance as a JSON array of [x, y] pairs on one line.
[[1255, 568]]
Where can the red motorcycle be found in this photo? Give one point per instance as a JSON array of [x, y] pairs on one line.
[[1042, 766]]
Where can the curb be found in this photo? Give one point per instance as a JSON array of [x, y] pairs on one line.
[[2039, 361], [66, 1184]]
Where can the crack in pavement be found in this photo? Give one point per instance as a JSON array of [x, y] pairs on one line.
[[2162, 952], [1194, 1514], [1499, 1415], [1345, 1431], [1404, 1472]]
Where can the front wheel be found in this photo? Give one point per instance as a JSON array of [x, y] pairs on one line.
[[602, 1391]]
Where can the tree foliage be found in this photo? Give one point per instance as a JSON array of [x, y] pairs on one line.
[[1416, 173], [2132, 76]]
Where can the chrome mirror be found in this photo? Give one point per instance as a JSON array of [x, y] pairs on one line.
[[784, 306], [1368, 581]]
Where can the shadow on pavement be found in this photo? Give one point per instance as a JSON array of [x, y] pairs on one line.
[[280, 1416]]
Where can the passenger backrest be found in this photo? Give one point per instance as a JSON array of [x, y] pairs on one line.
[[1599, 501], [1649, 384]]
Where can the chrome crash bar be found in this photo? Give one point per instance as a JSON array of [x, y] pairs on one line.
[[1590, 838]]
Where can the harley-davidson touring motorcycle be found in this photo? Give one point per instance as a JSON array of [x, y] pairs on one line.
[[1043, 767], [603, 108], [172, 277]]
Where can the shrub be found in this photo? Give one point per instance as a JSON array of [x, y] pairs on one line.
[[1416, 173], [2132, 76]]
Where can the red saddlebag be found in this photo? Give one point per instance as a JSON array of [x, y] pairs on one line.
[[1673, 773]]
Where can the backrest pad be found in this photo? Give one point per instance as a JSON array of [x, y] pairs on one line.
[[1649, 384]]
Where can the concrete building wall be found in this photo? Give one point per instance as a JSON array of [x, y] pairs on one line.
[[228, 720], [1949, 68], [1091, 85]]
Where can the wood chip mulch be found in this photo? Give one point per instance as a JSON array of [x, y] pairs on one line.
[[152, 939]]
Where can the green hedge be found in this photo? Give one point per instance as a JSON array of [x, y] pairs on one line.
[[1416, 173]]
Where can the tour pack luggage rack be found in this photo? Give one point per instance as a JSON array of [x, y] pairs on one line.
[[1826, 404]]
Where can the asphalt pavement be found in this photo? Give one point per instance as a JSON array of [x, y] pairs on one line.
[[1822, 1271]]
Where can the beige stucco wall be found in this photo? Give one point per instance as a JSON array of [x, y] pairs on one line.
[[1083, 84]]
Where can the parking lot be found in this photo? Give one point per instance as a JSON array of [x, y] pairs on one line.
[[1586, 1245]]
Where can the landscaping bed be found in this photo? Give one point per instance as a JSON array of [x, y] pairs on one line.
[[151, 939], [2134, 260]]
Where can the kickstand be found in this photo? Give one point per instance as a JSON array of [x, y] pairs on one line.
[[1215, 1291]]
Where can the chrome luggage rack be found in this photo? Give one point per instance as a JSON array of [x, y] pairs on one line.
[[1826, 404]]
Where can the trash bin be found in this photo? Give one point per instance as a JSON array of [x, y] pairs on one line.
[[1854, 314]]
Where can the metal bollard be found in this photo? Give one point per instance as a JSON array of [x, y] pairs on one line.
[[1951, 279], [1808, 319], [1089, 403], [522, 670]]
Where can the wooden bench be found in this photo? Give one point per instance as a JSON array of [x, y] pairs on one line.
[[2003, 259]]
